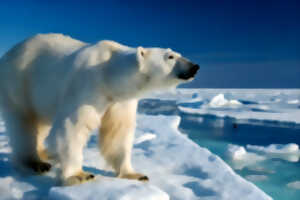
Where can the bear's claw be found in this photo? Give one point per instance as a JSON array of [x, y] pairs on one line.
[[79, 178], [39, 166], [144, 178], [91, 176], [136, 176]]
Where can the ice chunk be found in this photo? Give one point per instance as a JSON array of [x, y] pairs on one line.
[[234, 102], [295, 101], [236, 152], [294, 185], [2, 126], [241, 158], [255, 178], [220, 100], [289, 152]]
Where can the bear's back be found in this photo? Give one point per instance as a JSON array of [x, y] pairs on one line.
[[40, 47], [33, 60]]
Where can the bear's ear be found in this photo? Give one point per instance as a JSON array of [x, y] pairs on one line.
[[141, 52], [141, 55]]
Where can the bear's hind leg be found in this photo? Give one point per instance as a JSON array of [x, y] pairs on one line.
[[116, 138], [22, 131]]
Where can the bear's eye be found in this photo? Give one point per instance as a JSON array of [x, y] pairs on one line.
[[171, 57]]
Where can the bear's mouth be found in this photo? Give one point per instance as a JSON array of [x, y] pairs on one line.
[[189, 74]]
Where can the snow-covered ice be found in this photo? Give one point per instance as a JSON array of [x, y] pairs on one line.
[[177, 167], [109, 188]]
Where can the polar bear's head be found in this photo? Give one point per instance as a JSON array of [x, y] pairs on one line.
[[164, 67], [137, 70]]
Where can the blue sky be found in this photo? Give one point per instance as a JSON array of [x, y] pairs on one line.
[[238, 44]]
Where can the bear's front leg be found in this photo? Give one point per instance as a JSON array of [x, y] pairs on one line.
[[116, 138], [68, 138]]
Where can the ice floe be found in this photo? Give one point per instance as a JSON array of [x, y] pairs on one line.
[[177, 167]]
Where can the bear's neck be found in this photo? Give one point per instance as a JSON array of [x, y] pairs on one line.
[[122, 90]]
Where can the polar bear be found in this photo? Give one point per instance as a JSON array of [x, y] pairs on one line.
[[57, 88]]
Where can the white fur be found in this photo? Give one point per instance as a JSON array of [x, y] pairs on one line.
[[53, 82]]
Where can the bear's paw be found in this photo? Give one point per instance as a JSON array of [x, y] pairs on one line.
[[38, 166], [135, 176], [81, 177]]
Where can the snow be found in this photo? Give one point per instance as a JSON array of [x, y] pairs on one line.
[[109, 188], [177, 167], [189, 171]]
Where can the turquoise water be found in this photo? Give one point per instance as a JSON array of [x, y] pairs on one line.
[[276, 173], [271, 175]]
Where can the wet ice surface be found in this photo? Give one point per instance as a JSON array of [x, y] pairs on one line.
[[257, 132]]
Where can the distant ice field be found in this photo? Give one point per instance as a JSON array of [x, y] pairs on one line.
[[257, 132], [278, 105]]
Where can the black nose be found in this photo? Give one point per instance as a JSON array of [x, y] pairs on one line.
[[190, 73], [196, 68]]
